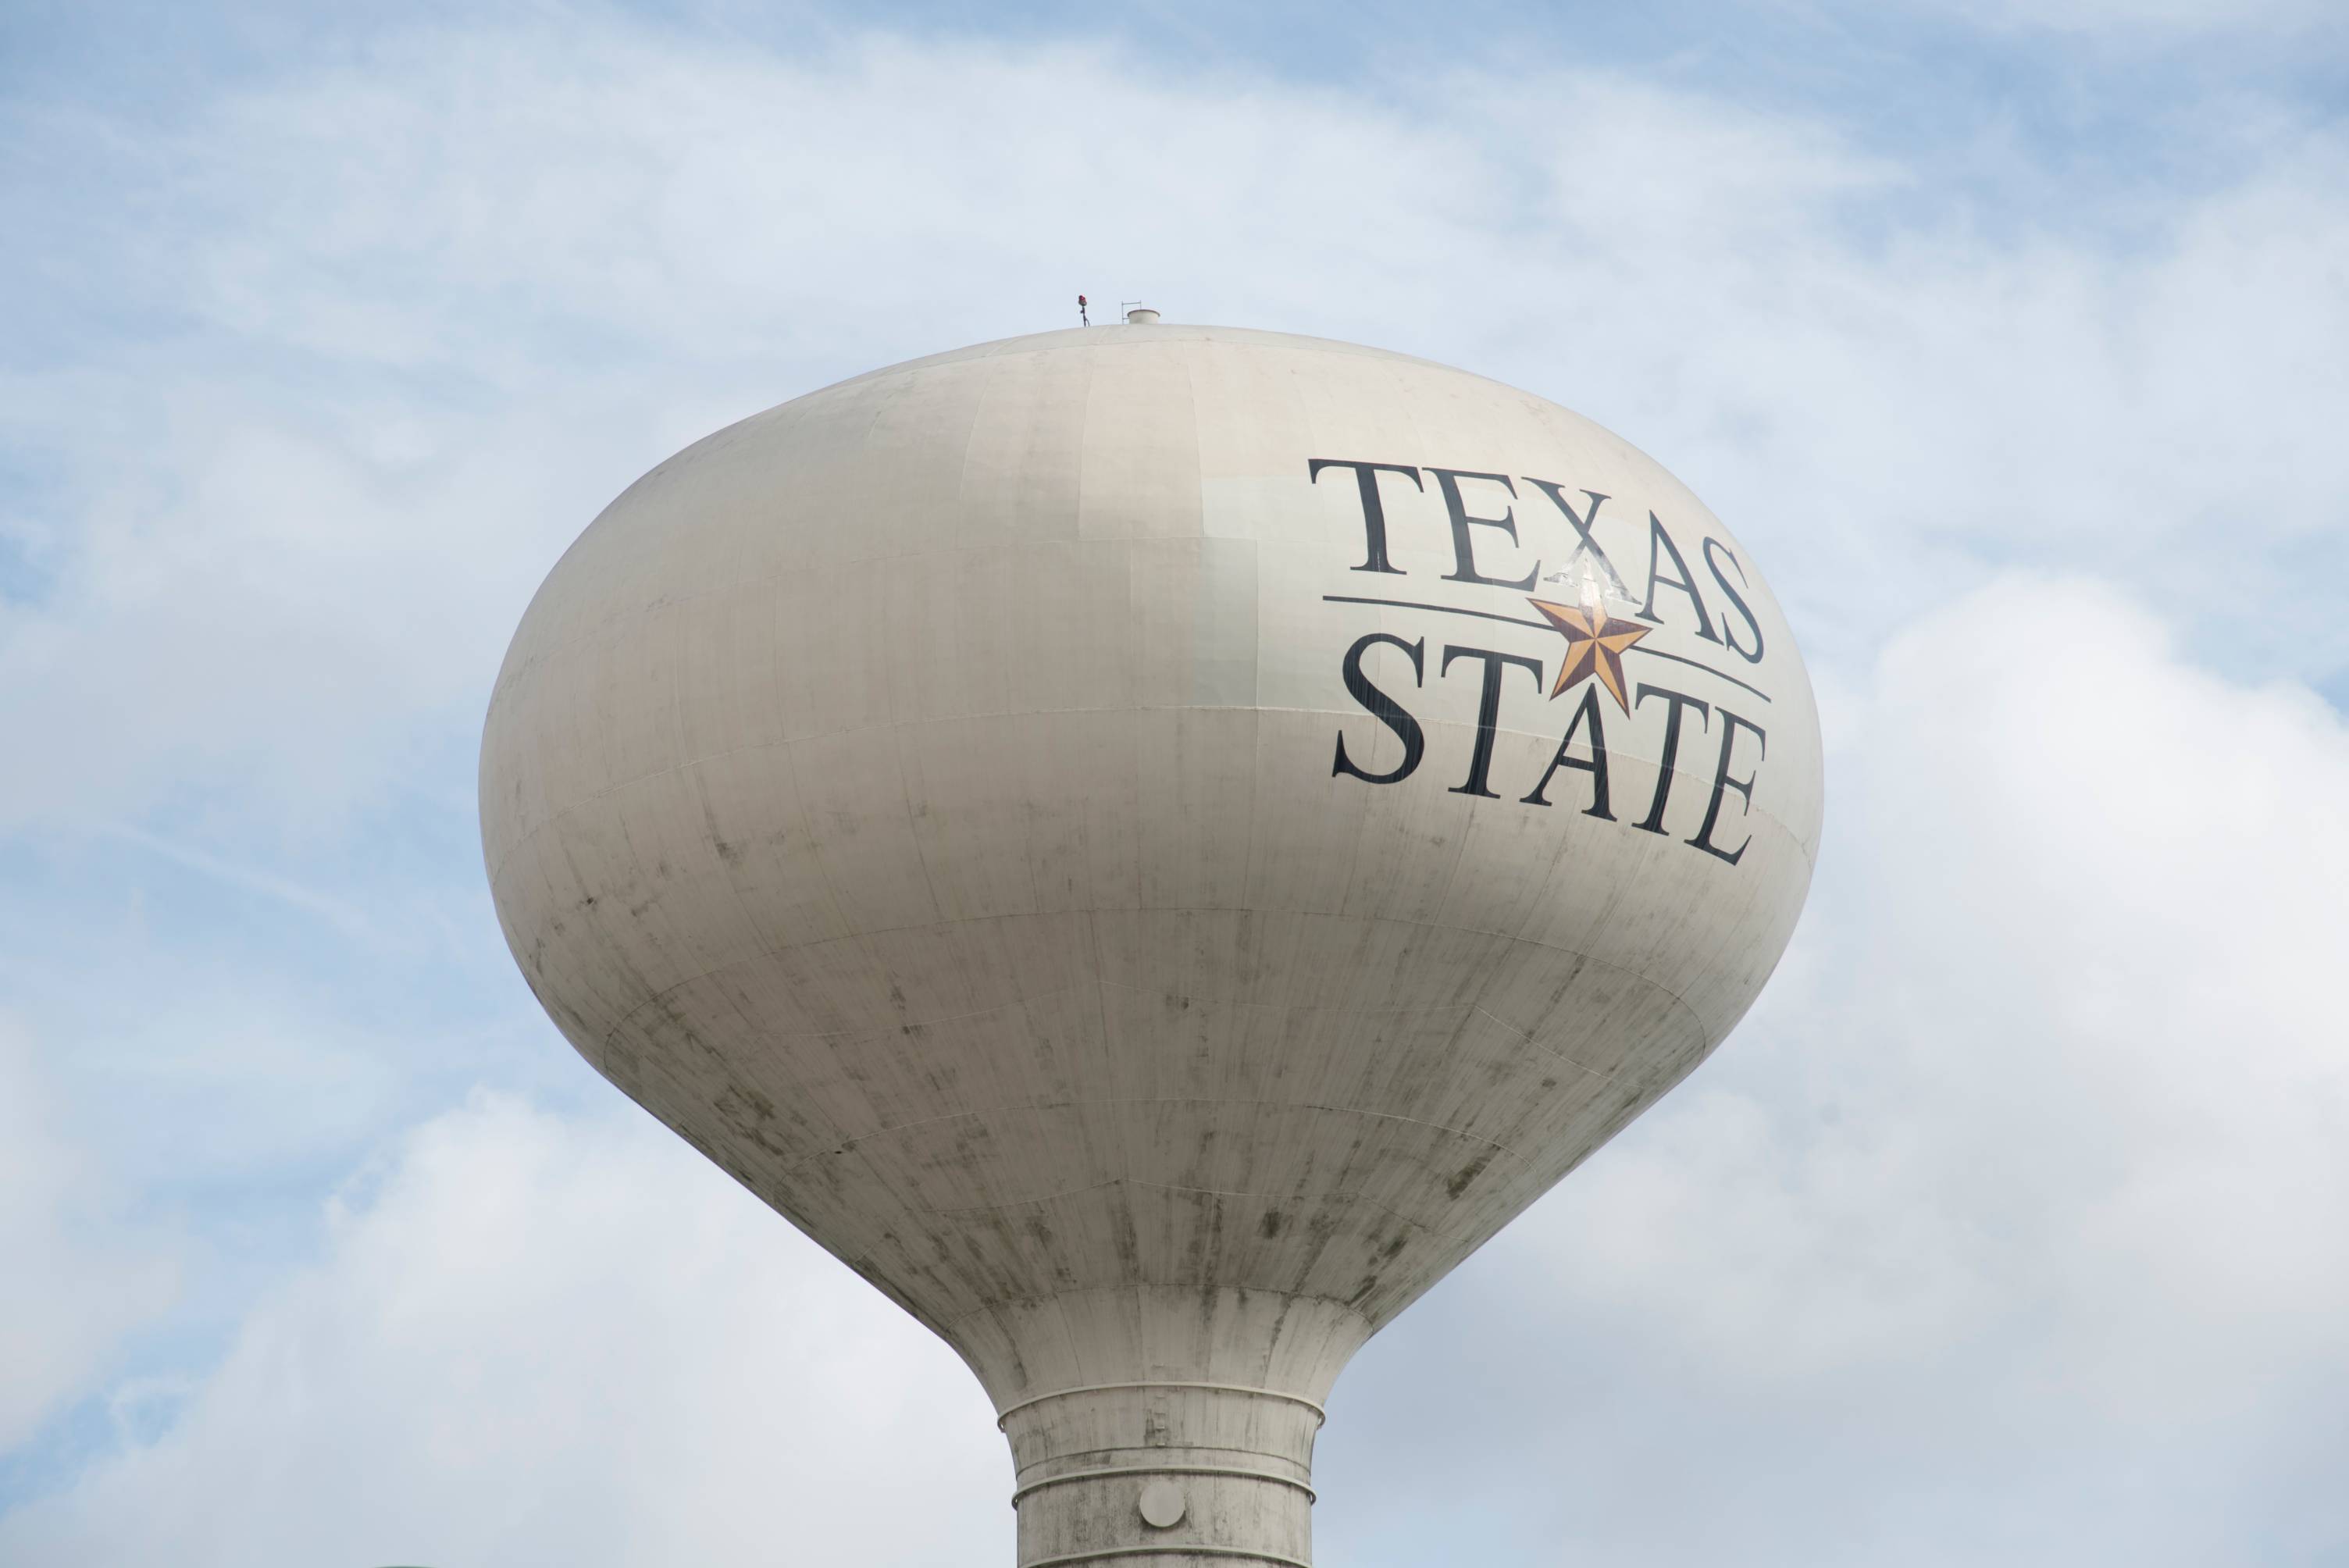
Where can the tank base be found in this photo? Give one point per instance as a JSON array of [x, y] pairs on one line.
[[1163, 1475]]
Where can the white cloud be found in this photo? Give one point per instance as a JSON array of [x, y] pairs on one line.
[[540, 1340], [77, 1279]]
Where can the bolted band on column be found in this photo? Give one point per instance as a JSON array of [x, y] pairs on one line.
[[1131, 1472]]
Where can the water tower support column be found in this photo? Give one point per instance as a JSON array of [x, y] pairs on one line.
[[1154, 1475]]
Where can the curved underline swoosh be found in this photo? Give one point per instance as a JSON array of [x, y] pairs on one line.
[[1540, 626]]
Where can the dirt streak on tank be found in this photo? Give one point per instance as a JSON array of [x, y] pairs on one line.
[[1150, 843]]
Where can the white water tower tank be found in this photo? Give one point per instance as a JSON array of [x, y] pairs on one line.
[[1152, 847]]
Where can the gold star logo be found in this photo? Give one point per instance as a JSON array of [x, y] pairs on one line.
[[1595, 641]]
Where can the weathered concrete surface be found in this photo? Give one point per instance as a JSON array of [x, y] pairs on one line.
[[1103, 861]]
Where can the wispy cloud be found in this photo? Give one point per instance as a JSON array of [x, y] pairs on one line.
[[345, 917]]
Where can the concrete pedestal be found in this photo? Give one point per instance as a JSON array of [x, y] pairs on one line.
[[1163, 1475]]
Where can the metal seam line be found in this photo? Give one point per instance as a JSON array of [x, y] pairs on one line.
[[1036, 1486], [610, 789], [1168, 1549], [1320, 1415], [668, 991]]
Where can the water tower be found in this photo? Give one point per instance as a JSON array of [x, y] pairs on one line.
[[1150, 843]]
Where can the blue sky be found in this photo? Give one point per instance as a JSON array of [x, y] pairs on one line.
[[2011, 1226]]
